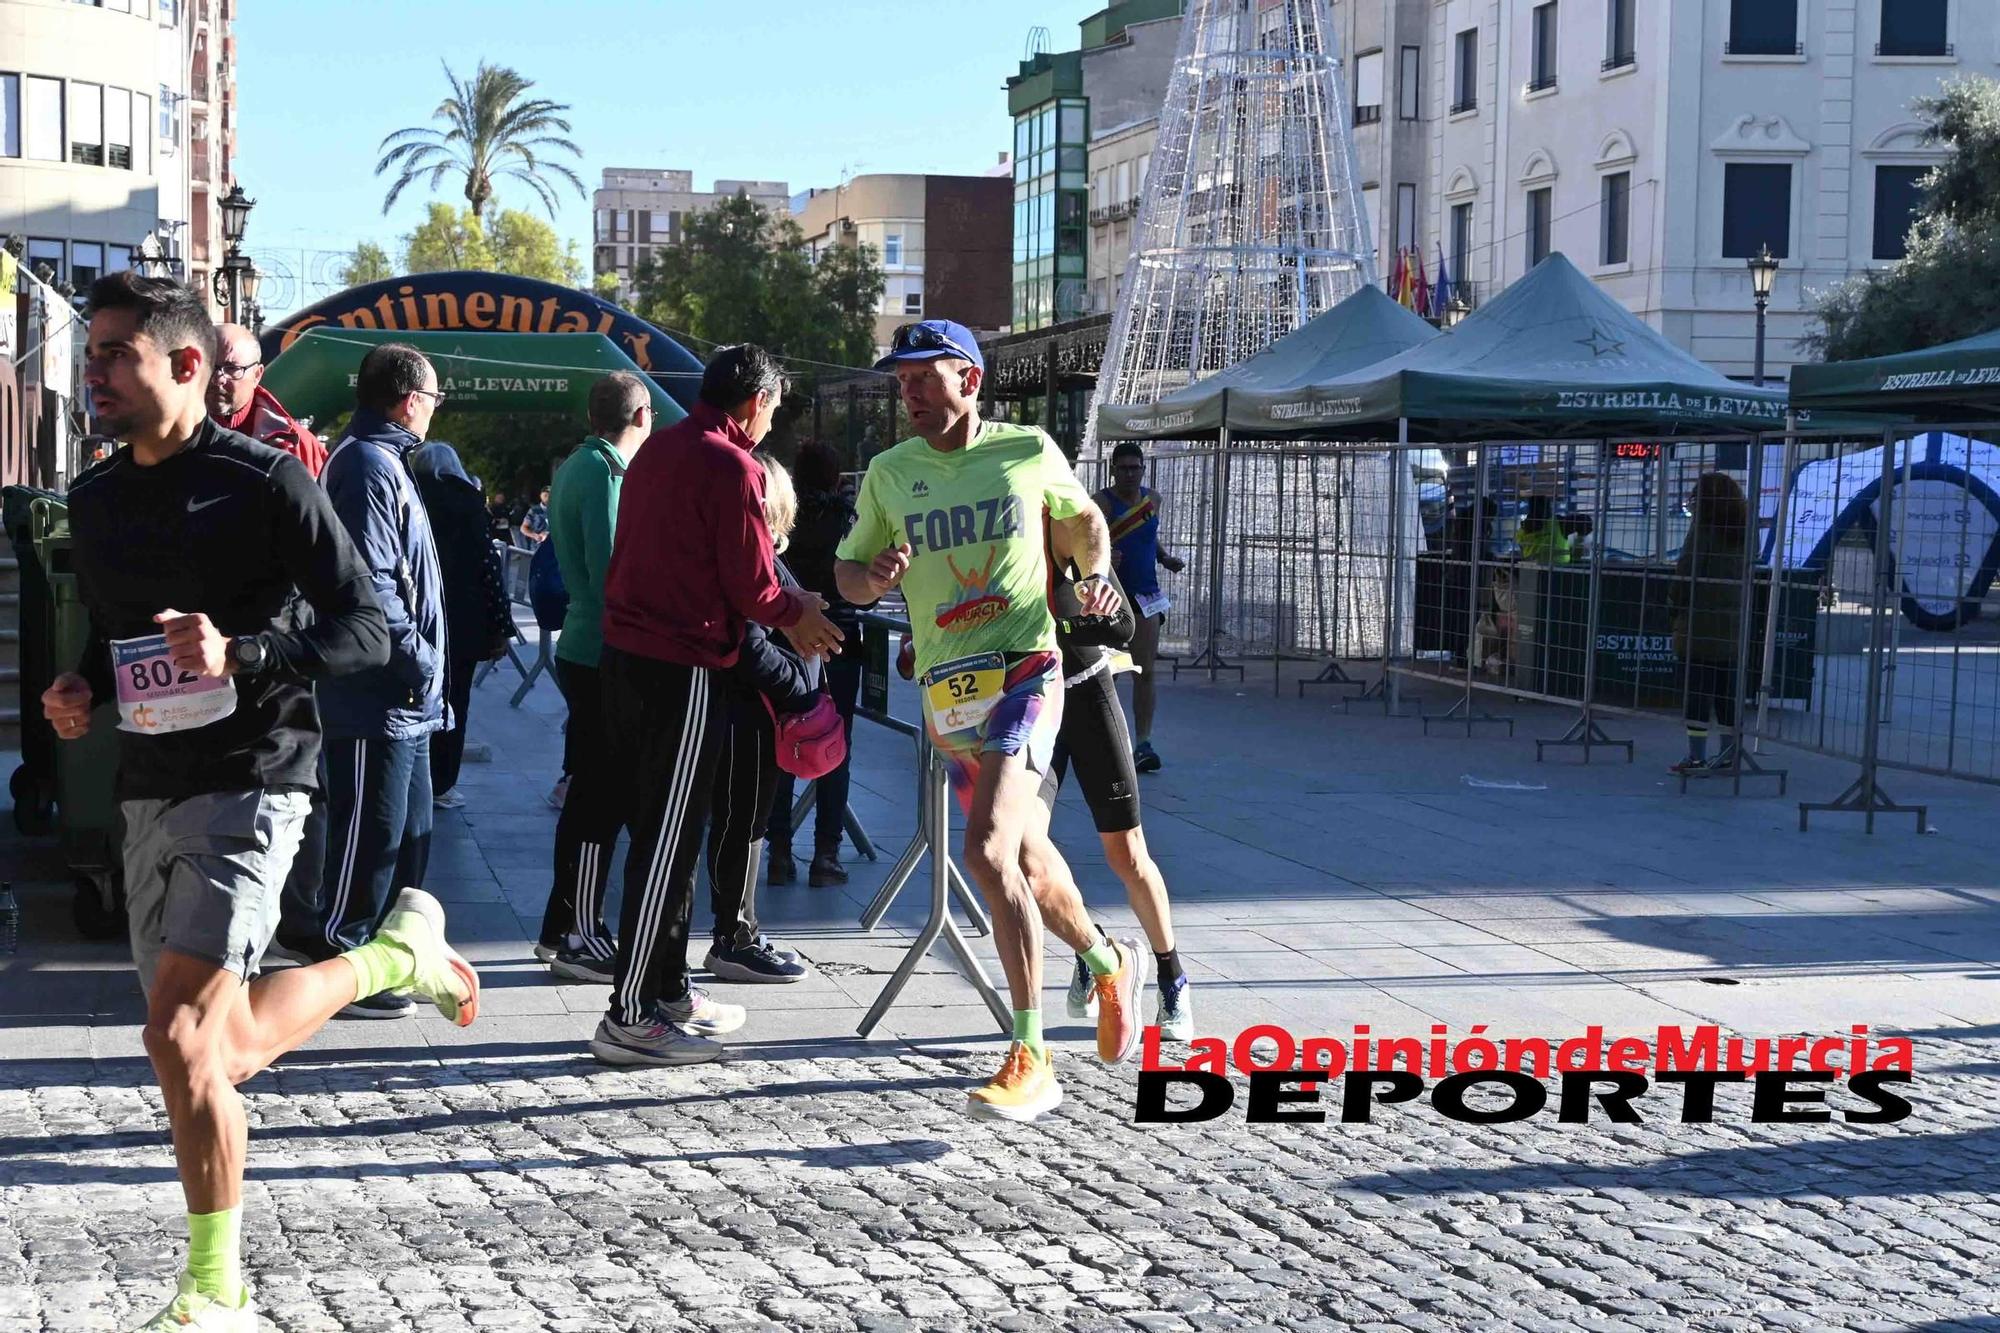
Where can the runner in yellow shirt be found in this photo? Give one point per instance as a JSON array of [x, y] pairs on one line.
[[955, 517]]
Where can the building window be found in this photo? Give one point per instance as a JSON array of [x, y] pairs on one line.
[[117, 258], [1542, 61], [86, 263], [1409, 83], [1763, 28], [86, 124], [44, 120], [1620, 35], [170, 121], [1914, 28], [1615, 246], [1406, 217], [1465, 71], [50, 254], [892, 250], [118, 128], [1756, 209], [142, 133], [10, 116], [913, 303], [1541, 204], [1371, 214], [1461, 240], [1368, 88], [1899, 195]]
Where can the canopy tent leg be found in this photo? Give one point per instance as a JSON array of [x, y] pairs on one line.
[[1389, 689], [1585, 731], [1210, 658], [1462, 710], [1332, 673]]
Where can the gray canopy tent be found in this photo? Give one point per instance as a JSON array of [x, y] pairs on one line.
[[1363, 329]]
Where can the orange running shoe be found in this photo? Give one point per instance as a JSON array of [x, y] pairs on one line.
[[1023, 1089], [1118, 997]]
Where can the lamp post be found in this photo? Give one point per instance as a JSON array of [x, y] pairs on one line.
[[249, 278], [1456, 311], [1763, 271], [229, 279]]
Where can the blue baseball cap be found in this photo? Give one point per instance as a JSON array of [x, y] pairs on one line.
[[929, 339]]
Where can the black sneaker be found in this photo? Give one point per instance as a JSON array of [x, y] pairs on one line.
[[1145, 759], [826, 871], [754, 962], [782, 870], [576, 965], [389, 1004]]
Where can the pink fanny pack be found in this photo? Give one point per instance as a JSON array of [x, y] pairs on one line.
[[813, 743]]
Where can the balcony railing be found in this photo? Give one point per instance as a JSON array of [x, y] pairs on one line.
[[1541, 84], [1754, 47], [1915, 49], [1620, 59], [1367, 115], [1461, 107], [1105, 214]]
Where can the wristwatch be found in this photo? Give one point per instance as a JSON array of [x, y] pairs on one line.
[[246, 653]]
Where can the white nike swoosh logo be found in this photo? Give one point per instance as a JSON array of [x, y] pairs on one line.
[[196, 508]]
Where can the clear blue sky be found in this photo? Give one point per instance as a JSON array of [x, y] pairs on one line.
[[751, 89]]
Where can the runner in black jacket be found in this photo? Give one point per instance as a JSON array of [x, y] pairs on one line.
[[188, 542]]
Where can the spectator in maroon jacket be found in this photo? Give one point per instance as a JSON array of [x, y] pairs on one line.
[[238, 399], [691, 564]]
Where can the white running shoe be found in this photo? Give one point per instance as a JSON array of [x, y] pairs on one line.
[[1174, 1012], [653, 1042], [703, 1014], [1081, 998], [191, 1311]]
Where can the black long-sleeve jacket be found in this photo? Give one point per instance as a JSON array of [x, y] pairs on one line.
[[233, 529]]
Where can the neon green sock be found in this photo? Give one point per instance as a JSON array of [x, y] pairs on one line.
[[1102, 957], [214, 1254], [1028, 1031], [385, 963]]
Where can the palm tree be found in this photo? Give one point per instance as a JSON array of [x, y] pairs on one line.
[[492, 131]]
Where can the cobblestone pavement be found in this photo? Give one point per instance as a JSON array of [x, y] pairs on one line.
[[848, 1192]]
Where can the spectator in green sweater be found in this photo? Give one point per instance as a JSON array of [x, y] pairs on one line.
[[583, 515]]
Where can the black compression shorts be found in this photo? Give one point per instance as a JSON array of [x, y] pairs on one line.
[[1095, 741]]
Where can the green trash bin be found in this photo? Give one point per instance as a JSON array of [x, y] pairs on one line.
[[87, 816]]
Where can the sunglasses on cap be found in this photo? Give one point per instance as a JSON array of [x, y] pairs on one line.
[[924, 338]]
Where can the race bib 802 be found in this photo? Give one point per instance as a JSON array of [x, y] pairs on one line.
[[156, 697]]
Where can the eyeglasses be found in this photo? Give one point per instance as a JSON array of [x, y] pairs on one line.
[[925, 338], [230, 371], [437, 394]]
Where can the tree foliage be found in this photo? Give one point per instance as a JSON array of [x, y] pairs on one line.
[[1942, 290], [492, 131], [741, 274], [368, 263], [518, 243]]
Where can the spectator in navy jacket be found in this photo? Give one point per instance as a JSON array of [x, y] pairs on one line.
[[379, 722]]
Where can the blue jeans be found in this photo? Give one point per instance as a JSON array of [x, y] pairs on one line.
[[378, 832], [843, 682]]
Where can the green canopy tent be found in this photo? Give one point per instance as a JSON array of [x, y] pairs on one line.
[[1955, 381], [480, 372], [1364, 329], [1552, 357]]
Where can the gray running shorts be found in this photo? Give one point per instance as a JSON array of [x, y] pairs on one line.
[[203, 875]]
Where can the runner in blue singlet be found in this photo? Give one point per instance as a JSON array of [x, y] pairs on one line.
[[1134, 515]]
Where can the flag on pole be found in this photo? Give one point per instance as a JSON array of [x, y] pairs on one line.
[[1395, 284], [1421, 284], [1441, 294]]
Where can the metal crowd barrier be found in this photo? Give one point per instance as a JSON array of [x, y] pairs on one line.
[[932, 839], [514, 577]]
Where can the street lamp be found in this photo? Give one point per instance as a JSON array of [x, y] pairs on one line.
[[229, 279], [1456, 311], [1763, 271], [248, 281]]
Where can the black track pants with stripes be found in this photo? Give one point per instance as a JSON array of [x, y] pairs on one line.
[[587, 831], [665, 726]]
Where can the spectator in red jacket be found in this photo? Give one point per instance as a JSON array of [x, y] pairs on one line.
[[238, 400], [691, 565]]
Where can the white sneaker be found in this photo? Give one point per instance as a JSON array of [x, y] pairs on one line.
[[449, 800], [1174, 1011], [650, 1043], [192, 1312], [703, 1014], [1081, 998]]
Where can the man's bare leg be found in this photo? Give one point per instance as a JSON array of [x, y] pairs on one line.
[[1054, 883], [1145, 653], [1125, 852], [994, 832]]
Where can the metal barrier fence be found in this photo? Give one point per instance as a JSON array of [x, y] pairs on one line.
[[932, 839], [514, 578], [1848, 608]]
